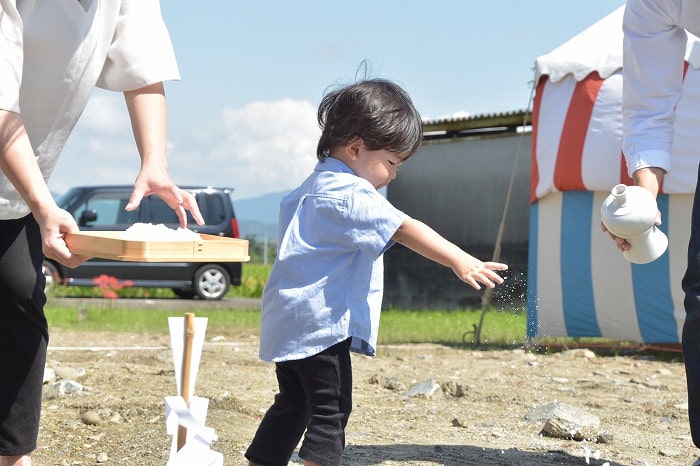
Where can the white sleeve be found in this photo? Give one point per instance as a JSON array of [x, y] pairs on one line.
[[11, 55], [141, 52], [654, 47]]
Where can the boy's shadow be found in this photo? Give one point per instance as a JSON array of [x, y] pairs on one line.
[[461, 455]]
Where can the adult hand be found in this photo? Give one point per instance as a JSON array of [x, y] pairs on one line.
[[147, 110], [177, 199], [54, 225], [650, 178]]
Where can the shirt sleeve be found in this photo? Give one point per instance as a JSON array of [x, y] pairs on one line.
[[373, 220], [11, 55], [653, 51], [141, 52]]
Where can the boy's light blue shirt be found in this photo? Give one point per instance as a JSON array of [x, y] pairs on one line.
[[327, 282]]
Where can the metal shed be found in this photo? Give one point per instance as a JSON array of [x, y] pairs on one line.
[[458, 183]]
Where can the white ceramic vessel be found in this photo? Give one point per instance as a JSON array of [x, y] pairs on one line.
[[630, 213]]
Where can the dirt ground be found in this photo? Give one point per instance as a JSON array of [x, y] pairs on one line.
[[477, 418]]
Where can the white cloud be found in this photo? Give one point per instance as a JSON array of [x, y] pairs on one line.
[[101, 149], [260, 148], [106, 113]]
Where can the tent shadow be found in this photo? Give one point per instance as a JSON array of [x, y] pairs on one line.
[[461, 455]]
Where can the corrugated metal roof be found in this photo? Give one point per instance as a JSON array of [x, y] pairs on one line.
[[479, 124]]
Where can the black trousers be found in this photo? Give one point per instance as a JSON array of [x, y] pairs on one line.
[[691, 327], [24, 335], [314, 400]]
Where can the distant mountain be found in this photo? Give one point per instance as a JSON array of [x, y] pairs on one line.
[[258, 216], [258, 229]]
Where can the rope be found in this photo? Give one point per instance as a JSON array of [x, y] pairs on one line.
[[486, 298]]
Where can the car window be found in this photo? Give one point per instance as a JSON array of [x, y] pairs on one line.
[[210, 205], [104, 209], [212, 208], [162, 213]]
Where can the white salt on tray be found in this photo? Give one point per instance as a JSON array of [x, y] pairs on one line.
[[159, 232]]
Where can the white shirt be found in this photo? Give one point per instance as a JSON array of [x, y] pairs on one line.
[[654, 48], [54, 52]]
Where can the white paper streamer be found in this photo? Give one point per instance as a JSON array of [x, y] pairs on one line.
[[196, 450]]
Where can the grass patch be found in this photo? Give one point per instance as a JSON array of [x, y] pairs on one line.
[[502, 329], [397, 326], [455, 327], [253, 279], [145, 321]]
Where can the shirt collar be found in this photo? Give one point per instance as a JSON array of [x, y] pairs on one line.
[[331, 164]]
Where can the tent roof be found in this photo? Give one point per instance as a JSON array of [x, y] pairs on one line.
[[597, 48]]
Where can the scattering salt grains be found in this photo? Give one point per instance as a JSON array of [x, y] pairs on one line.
[[159, 232]]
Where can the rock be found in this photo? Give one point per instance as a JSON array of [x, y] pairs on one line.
[[542, 412], [669, 453], [49, 374], [90, 418], [566, 422], [390, 383], [102, 457], [69, 372], [116, 418], [579, 353], [654, 385], [62, 388], [457, 422], [456, 389], [426, 389]]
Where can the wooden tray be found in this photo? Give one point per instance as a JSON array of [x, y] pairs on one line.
[[111, 245]]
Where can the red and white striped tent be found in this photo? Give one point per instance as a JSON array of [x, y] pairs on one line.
[[578, 283]]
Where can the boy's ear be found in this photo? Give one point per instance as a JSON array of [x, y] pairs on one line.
[[353, 148]]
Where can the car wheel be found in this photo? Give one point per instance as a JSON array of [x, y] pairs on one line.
[[183, 293], [211, 282], [53, 277]]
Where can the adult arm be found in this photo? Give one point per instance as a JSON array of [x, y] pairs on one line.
[[653, 51], [147, 110], [422, 239], [18, 164]]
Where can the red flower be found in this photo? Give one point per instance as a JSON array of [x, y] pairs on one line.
[[108, 284]]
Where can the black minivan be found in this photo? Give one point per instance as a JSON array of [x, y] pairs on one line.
[[101, 208]]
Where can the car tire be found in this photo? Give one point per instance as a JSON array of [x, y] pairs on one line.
[[53, 277], [211, 282]]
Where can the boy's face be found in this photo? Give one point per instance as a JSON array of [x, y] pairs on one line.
[[379, 167]]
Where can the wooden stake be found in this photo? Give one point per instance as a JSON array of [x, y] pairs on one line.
[[185, 381]]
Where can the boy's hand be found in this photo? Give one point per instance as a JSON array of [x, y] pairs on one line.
[[422, 239], [473, 271]]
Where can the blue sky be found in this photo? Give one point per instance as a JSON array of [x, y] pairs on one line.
[[252, 74]]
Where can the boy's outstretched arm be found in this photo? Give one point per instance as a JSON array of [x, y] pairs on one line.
[[422, 239]]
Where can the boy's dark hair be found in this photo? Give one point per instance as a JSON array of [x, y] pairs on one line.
[[378, 111]]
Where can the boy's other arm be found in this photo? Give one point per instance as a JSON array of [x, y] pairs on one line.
[[422, 239]]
